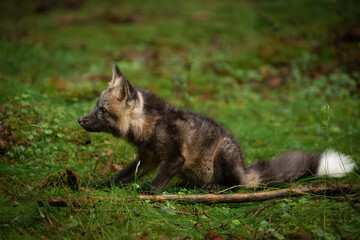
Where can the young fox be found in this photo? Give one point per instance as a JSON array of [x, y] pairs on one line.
[[192, 146]]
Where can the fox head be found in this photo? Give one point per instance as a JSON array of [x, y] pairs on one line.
[[118, 110]]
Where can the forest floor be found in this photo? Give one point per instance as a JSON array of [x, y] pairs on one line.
[[280, 75]]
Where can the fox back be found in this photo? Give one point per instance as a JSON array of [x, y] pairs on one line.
[[192, 146]]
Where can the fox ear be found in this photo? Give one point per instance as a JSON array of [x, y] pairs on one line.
[[116, 75], [122, 87]]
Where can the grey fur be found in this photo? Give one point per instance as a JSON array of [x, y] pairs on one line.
[[196, 148]]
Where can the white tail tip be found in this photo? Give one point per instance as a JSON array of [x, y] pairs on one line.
[[334, 164]]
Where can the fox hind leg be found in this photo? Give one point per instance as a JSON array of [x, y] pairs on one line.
[[168, 169], [229, 169]]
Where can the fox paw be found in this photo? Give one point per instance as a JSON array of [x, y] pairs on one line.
[[213, 187]]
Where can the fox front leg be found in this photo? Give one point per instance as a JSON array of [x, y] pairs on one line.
[[127, 175], [167, 170]]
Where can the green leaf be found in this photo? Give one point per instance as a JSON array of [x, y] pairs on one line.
[[235, 222]]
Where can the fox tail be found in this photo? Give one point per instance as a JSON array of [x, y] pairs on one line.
[[292, 166]]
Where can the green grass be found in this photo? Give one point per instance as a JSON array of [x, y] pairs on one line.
[[281, 75]]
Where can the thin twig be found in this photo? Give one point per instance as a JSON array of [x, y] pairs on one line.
[[222, 225], [266, 205], [338, 230], [270, 220], [96, 210], [352, 204], [152, 222], [251, 197], [250, 229], [175, 211], [213, 198], [44, 182]]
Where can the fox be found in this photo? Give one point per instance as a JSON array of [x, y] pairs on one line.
[[191, 146]]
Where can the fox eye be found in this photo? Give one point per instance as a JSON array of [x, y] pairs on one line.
[[103, 110]]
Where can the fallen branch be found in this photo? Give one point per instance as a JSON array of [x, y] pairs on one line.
[[252, 197], [215, 198]]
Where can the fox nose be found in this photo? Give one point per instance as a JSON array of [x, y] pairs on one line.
[[82, 121]]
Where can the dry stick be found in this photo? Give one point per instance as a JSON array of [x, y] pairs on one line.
[[96, 163], [338, 230], [222, 225], [179, 212], [44, 182], [266, 205], [59, 179], [223, 198], [250, 197], [90, 210], [270, 220], [152, 222], [251, 229], [352, 204]]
